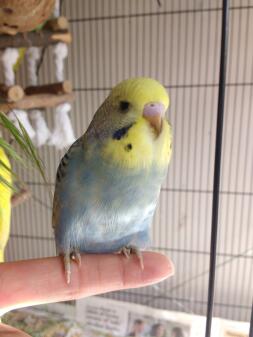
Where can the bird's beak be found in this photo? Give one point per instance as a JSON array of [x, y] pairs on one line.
[[154, 113]]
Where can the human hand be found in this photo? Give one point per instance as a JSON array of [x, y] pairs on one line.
[[39, 281]]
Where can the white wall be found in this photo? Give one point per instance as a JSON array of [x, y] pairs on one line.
[[177, 43]]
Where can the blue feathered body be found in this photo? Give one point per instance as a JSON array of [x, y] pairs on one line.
[[99, 207]]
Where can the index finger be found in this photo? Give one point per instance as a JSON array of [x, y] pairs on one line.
[[38, 281]]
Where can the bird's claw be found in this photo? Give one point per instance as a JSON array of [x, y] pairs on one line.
[[67, 267], [74, 256], [127, 251], [138, 253]]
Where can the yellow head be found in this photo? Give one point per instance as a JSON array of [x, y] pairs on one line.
[[130, 101], [139, 92], [142, 97], [131, 123]]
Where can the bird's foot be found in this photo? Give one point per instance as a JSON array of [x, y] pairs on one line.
[[74, 256], [67, 267], [128, 250]]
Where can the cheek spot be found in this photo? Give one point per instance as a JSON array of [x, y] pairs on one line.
[[128, 147]]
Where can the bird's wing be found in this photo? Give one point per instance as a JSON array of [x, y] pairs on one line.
[[62, 173]]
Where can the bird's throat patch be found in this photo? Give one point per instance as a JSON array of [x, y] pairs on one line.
[[130, 147], [121, 132], [137, 147]]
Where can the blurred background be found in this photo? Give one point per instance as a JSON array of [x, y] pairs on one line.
[[178, 43]]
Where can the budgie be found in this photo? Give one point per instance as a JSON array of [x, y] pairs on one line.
[[5, 203], [108, 183]]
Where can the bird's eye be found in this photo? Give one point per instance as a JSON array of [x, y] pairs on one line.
[[124, 106]]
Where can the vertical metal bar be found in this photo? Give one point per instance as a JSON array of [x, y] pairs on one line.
[[217, 163], [251, 323]]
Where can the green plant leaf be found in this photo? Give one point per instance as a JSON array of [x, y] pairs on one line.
[[11, 152], [33, 155], [14, 131], [25, 144], [7, 168], [8, 184], [17, 184]]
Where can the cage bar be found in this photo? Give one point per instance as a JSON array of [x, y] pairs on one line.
[[217, 163], [251, 323]]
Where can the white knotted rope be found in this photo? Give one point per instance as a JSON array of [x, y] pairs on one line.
[[63, 134], [9, 58], [56, 8], [21, 115], [42, 132], [33, 55], [62, 127], [60, 54]]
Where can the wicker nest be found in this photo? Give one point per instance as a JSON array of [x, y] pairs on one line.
[[23, 15]]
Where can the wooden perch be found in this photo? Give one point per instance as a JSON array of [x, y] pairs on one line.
[[34, 39], [60, 23], [10, 30], [20, 197], [37, 101], [64, 87], [11, 94]]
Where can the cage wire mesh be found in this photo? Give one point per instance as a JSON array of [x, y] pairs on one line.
[[178, 43]]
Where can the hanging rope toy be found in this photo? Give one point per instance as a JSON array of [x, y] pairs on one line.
[[9, 58], [42, 132], [63, 135]]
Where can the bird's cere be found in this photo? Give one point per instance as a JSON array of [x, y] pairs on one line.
[[154, 113]]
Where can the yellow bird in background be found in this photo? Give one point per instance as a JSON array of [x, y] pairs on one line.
[[5, 203]]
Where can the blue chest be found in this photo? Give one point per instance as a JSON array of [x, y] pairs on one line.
[[105, 207]]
